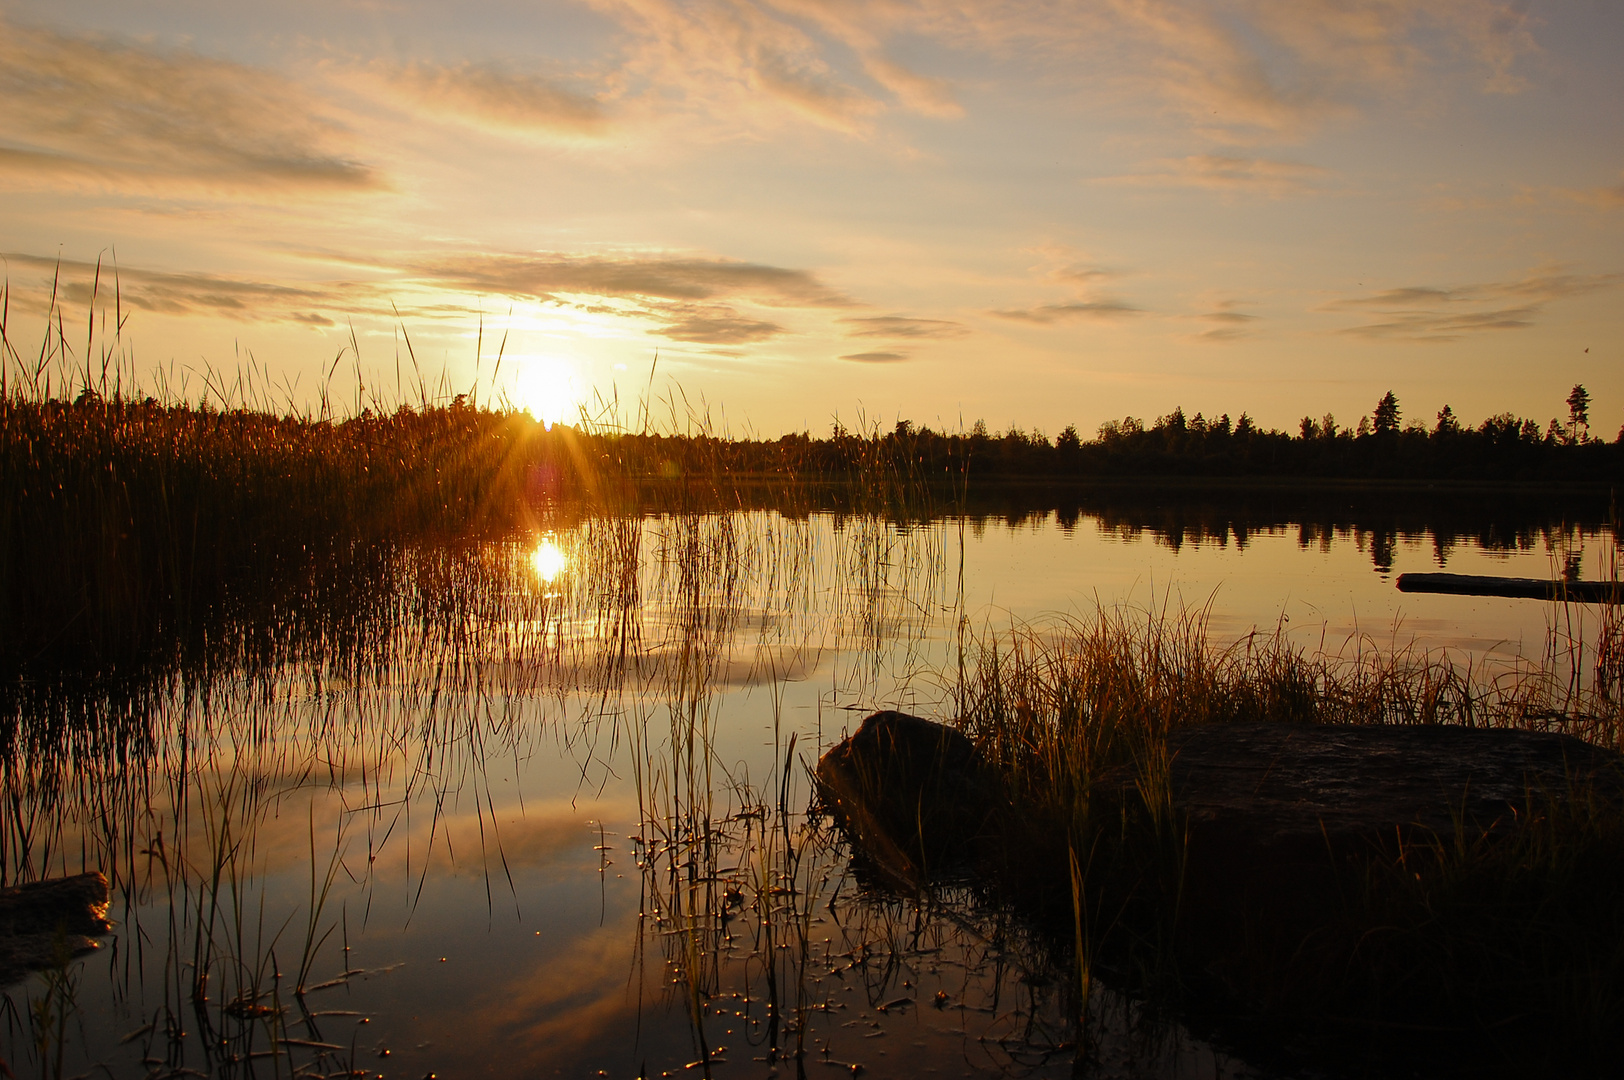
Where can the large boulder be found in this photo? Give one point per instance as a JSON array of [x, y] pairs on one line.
[[913, 795]]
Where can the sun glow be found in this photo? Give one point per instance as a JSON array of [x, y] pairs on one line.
[[546, 389], [549, 560]]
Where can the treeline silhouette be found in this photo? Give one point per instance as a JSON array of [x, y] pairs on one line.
[[1504, 447]]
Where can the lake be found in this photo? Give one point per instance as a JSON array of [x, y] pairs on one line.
[[539, 804]]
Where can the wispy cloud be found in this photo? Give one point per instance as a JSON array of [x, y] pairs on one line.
[[879, 356], [1228, 324], [902, 326], [1610, 198], [699, 301], [1229, 172], [1272, 68], [491, 97], [546, 276], [1241, 72], [1083, 278], [195, 293], [1446, 313], [92, 110], [1075, 311], [721, 327]]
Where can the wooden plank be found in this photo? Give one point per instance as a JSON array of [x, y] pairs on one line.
[[1583, 592]]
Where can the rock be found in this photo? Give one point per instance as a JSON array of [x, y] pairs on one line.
[[912, 794], [45, 922], [1277, 785], [1291, 830], [1268, 809], [1278, 807]]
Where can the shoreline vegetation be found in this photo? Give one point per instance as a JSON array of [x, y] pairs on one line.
[[120, 517]]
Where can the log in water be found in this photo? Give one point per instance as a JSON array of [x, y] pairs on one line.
[[1584, 592]]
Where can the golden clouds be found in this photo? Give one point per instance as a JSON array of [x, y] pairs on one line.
[[902, 326], [195, 293], [490, 97], [681, 298], [1232, 173], [1045, 314], [660, 277], [90, 111], [1228, 323], [1435, 313]]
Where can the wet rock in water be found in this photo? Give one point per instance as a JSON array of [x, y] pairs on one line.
[[913, 795], [44, 923]]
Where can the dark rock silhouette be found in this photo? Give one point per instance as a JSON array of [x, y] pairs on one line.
[[44, 923], [913, 795]]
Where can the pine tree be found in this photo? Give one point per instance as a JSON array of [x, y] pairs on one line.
[[1386, 415], [1578, 414]]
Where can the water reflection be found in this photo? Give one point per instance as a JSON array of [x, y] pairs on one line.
[[549, 560], [432, 757]]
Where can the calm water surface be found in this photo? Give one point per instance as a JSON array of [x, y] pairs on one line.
[[550, 817]]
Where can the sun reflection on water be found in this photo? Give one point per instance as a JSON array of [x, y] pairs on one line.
[[549, 560]]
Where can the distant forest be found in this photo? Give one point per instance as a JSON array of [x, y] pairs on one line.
[[1504, 447]]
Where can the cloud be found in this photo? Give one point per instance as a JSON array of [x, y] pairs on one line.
[[1084, 276], [1608, 198], [1240, 71], [878, 357], [902, 326], [690, 299], [493, 98], [918, 93], [92, 110], [718, 328], [197, 293], [738, 67], [1229, 324], [811, 90], [1435, 313], [547, 276], [699, 301], [1229, 172], [1078, 310], [1281, 68]]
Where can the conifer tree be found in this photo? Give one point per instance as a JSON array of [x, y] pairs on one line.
[[1386, 415], [1578, 414]]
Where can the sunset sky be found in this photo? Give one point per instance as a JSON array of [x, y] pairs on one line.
[[946, 210]]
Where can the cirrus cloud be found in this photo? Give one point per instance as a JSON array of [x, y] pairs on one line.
[[902, 326], [1229, 172], [491, 97], [1443, 313], [96, 111], [1080, 310]]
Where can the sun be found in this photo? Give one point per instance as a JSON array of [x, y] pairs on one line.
[[546, 389], [549, 560]]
